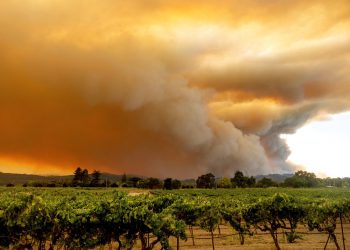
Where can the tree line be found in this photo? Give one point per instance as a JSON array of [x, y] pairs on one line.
[[301, 179]]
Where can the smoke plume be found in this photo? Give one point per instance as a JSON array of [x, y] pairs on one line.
[[166, 89]]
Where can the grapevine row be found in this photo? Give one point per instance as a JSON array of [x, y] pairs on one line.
[[84, 220]]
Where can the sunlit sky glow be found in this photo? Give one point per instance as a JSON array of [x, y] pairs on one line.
[[323, 147]]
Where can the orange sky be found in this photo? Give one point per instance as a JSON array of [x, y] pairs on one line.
[[166, 88]]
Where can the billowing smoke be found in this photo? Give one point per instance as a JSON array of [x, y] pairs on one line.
[[166, 89]]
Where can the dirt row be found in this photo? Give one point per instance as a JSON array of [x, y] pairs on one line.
[[228, 239]]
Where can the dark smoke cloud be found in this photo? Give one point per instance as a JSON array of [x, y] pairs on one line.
[[166, 89]]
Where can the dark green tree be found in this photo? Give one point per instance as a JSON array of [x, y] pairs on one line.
[[153, 183], [81, 177], [302, 179], [142, 184], [124, 178], [266, 182], [241, 181], [176, 184], [77, 175], [168, 184], [224, 183], [85, 178], [95, 178], [206, 181], [114, 184], [133, 181], [251, 181]]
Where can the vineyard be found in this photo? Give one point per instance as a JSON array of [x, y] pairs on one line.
[[58, 218]]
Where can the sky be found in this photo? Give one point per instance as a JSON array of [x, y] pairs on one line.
[[322, 147], [171, 88]]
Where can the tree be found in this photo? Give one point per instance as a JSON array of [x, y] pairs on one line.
[[133, 181], [77, 175], [142, 184], [150, 183], [96, 178], [206, 181], [124, 178], [224, 183], [81, 177], [153, 183], [85, 178], [106, 183], [176, 184], [266, 182], [168, 184], [251, 181], [239, 180], [302, 179], [114, 184]]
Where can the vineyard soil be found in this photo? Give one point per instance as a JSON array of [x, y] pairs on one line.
[[260, 241]]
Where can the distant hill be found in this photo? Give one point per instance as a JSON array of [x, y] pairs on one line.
[[279, 178], [19, 179]]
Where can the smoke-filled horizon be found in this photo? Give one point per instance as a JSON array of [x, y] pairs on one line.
[[163, 88]]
